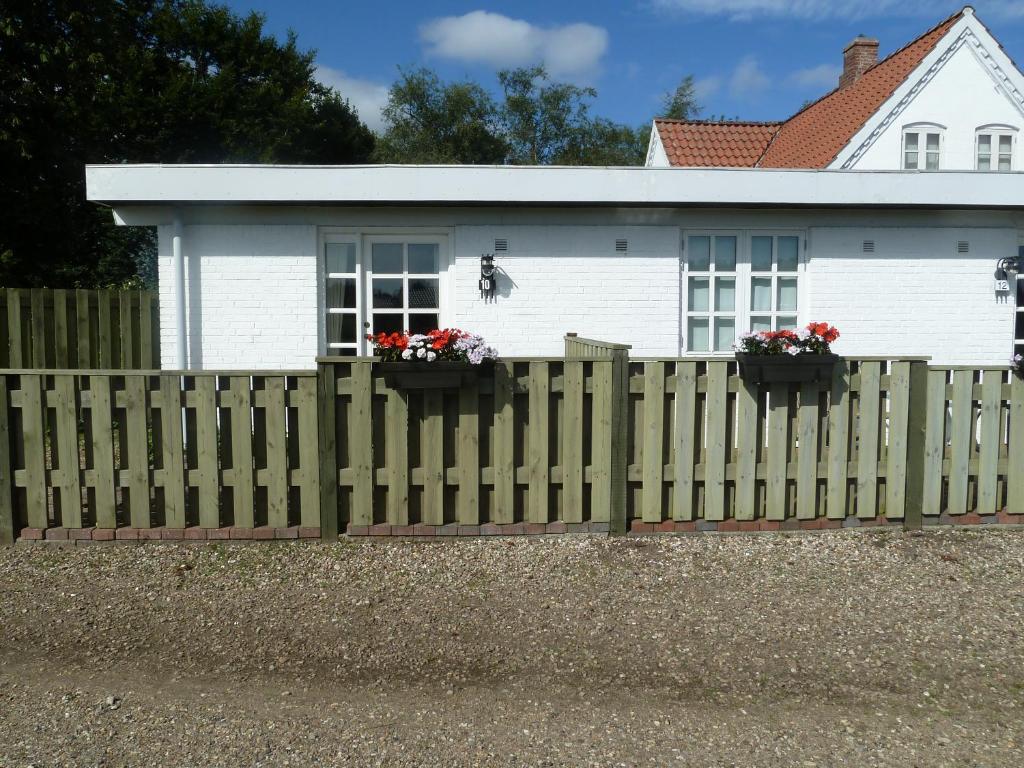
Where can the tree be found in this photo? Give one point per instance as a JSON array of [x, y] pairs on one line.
[[681, 104], [428, 121], [140, 81]]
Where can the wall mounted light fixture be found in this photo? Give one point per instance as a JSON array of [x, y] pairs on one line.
[[487, 279]]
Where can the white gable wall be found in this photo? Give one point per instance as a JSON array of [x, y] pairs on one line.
[[961, 97]]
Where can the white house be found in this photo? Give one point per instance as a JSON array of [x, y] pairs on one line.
[[867, 221]]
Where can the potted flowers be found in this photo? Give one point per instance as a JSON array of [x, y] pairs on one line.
[[787, 356], [437, 359]]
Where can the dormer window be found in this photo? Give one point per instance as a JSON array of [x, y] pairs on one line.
[[922, 147], [994, 148]]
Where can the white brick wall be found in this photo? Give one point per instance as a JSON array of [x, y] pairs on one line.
[[569, 278], [252, 296], [915, 295]]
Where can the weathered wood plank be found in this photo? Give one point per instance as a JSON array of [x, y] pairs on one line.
[[16, 356], [838, 441], [104, 332], [468, 456], [917, 445], [778, 447], [360, 443], [539, 467], [101, 421], [653, 441], [38, 321], [208, 497], [305, 402], [8, 524], [714, 469], [961, 441], [137, 440], [34, 440], [1015, 452], [65, 390], [504, 444], [934, 443], [61, 334], [172, 446], [572, 442], [277, 453], [807, 452], [396, 416], [988, 452], [896, 453], [433, 457], [601, 443], [685, 448], [83, 352], [867, 439], [746, 450], [147, 356], [126, 335], [242, 485], [327, 449]]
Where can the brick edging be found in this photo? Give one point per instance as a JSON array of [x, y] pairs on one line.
[[192, 533], [487, 529]]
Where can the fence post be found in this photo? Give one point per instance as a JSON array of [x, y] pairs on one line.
[[6, 472], [326, 395], [620, 426], [916, 445]]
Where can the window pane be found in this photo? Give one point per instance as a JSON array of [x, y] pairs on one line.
[[786, 324], [341, 292], [341, 329], [787, 294], [931, 161], [725, 294], [699, 249], [985, 144], [697, 334], [698, 294], [761, 253], [387, 258], [910, 160], [933, 142], [340, 257], [1004, 162], [421, 323], [388, 323], [984, 162], [725, 333], [423, 258], [1005, 142], [725, 254], [760, 324], [1018, 332], [761, 294], [910, 142], [789, 254], [423, 293], [387, 293]]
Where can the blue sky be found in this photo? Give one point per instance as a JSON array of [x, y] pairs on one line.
[[753, 59]]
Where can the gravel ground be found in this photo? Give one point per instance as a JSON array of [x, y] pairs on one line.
[[841, 648]]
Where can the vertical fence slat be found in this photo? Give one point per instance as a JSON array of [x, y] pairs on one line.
[[7, 521], [61, 334], [65, 401], [778, 442], [1015, 453], [397, 443], [359, 444], [309, 486], [867, 439], [896, 455], [988, 454], [601, 443], [100, 419], [277, 453], [34, 439], [104, 333], [468, 506], [934, 443], [807, 453], [572, 442], [653, 432], [504, 444], [917, 446], [838, 441], [84, 342], [173, 451], [685, 416], [746, 449], [961, 439], [433, 457], [146, 357], [38, 325], [327, 450], [14, 332], [127, 344], [539, 474], [714, 467], [208, 496], [138, 451], [242, 491]]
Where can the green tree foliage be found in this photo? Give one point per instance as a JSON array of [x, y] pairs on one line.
[[538, 122], [681, 104], [99, 81]]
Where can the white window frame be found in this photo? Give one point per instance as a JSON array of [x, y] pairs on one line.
[[743, 275], [363, 237], [994, 131], [774, 314], [922, 130], [711, 274]]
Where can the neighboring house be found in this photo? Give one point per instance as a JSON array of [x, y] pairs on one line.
[[269, 266]]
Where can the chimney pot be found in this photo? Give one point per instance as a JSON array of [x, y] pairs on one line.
[[858, 57]]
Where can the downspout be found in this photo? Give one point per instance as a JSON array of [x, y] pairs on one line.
[[181, 348]]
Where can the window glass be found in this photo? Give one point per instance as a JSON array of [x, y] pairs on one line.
[[932, 152], [725, 254], [789, 254], [341, 293], [340, 258], [760, 323], [341, 329], [725, 333], [422, 322], [787, 294], [910, 150], [725, 294], [1005, 152], [390, 322], [387, 293], [984, 152], [761, 253], [698, 334], [387, 258], [423, 258], [423, 293], [698, 294], [786, 324], [699, 249], [761, 294]]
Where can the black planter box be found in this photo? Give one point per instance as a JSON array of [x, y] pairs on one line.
[[772, 369], [440, 374]]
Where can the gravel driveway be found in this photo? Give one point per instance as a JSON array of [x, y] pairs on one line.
[[842, 648]]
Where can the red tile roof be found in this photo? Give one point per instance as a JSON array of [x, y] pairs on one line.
[[696, 143], [813, 136]]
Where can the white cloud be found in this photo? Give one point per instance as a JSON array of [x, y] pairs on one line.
[[367, 96], [748, 78], [821, 76], [571, 50], [707, 87]]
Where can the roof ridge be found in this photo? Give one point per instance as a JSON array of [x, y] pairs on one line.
[[680, 121]]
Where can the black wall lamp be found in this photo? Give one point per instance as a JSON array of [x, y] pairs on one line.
[[1005, 266], [487, 279]]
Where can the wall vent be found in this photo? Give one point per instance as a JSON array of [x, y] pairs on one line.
[[962, 246], [868, 246], [621, 246], [500, 245]]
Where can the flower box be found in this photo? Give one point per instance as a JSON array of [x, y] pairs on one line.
[[775, 369], [439, 374]]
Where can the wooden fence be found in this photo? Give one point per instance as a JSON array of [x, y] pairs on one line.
[[55, 328], [572, 443]]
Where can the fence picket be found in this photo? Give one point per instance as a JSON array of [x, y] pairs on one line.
[[935, 442], [468, 457], [504, 444], [242, 486], [8, 522], [433, 457], [173, 451], [601, 443], [896, 454], [208, 496], [867, 439], [1015, 452], [961, 440], [34, 441], [60, 329], [83, 347], [807, 453], [572, 442], [715, 447], [137, 428], [104, 333], [15, 357], [988, 449], [38, 325], [746, 450], [654, 419], [126, 342], [66, 453], [778, 446], [100, 421], [838, 442], [685, 417], [397, 443], [309, 485], [539, 473], [277, 453]]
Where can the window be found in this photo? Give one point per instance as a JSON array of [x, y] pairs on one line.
[[994, 148], [733, 283], [922, 147], [1018, 324], [375, 284]]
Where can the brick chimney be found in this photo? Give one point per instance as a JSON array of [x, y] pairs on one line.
[[859, 56]]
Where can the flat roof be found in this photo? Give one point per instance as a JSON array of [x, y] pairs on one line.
[[121, 185]]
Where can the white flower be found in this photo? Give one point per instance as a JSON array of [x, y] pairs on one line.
[[793, 350], [431, 356], [421, 352], [406, 354]]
